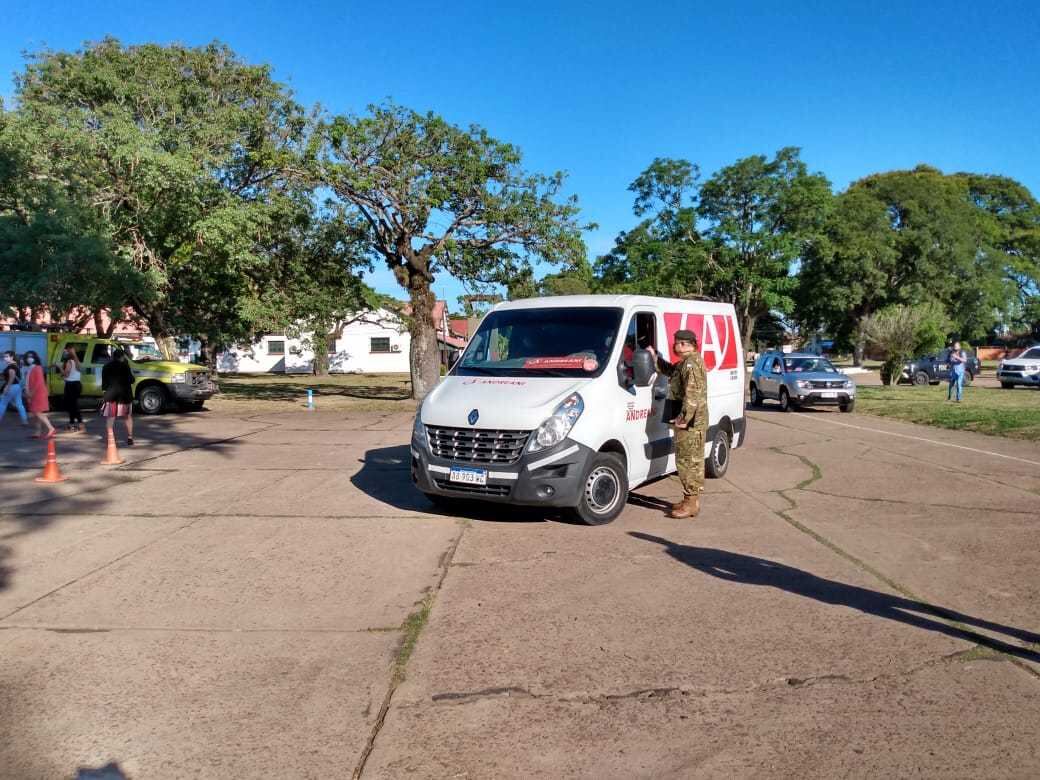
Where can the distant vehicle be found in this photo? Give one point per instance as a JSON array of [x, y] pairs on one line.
[[1021, 370], [935, 368], [800, 379], [160, 384]]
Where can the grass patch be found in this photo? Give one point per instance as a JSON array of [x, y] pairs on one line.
[[270, 392], [412, 627], [1013, 414]]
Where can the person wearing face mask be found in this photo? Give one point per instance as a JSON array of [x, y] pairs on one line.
[[39, 403], [11, 387]]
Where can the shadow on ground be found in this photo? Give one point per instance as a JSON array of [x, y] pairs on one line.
[[386, 476], [252, 390], [749, 570], [28, 507]]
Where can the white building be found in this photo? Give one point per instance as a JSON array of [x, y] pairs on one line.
[[375, 342]]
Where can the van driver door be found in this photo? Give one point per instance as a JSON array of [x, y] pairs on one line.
[[648, 437]]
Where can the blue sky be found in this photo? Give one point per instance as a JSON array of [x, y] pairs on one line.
[[599, 89]]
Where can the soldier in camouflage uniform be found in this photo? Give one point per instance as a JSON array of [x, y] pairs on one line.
[[688, 391]]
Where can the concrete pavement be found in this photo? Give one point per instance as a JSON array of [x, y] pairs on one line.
[[266, 595]]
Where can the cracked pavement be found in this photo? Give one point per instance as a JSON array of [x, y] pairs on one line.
[[268, 596]]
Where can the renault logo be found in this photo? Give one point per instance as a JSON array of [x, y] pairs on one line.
[[473, 417]]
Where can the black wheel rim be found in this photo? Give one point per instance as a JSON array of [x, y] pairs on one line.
[[722, 453]]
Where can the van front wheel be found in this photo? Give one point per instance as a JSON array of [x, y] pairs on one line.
[[604, 490]]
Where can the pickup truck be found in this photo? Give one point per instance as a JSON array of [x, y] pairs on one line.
[[932, 369], [161, 384]]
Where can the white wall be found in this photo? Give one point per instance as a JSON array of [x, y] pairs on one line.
[[352, 352]]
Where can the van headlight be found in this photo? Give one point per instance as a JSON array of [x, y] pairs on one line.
[[555, 429], [849, 384], [179, 379], [419, 430], [804, 384]]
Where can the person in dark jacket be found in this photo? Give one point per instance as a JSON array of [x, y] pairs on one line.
[[117, 385]]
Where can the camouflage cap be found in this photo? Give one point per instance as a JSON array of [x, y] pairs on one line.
[[685, 335]]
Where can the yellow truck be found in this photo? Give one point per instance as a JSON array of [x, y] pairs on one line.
[[161, 384]]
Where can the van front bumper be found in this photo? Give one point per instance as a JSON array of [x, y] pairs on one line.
[[552, 477]]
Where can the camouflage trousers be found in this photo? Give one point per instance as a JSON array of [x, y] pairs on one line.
[[689, 459]]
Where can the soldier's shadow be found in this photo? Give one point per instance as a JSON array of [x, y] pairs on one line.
[[749, 570]]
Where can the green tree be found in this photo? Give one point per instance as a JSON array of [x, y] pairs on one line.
[[966, 241], [435, 198], [664, 254], [899, 332], [762, 217], [186, 154]]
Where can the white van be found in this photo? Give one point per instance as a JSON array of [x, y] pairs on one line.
[[557, 402]]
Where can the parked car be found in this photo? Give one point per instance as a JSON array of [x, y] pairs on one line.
[[800, 379], [1021, 370], [935, 368]]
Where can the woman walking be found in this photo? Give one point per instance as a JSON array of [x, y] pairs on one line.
[[70, 369], [39, 403], [11, 387], [117, 383]]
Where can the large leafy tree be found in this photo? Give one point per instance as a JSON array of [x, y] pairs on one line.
[[664, 254], [966, 242], [55, 257], [733, 238], [186, 155], [762, 216], [437, 198]]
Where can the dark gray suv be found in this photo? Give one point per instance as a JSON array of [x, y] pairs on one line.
[[800, 379]]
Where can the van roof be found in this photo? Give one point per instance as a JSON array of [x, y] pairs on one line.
[[621, 301]]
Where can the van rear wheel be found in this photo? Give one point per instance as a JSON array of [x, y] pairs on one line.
[[604, 490], [718, 457]]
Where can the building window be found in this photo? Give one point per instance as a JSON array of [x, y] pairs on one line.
[[275, 347], [381, 344]]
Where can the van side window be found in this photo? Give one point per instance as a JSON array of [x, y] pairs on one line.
[[642, 333], [777, 366], [80, 347], [101, 354]]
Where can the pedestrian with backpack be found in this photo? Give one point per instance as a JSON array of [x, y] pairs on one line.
[[11, 387]]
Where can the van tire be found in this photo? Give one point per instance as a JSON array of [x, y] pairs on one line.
[[717, 463], [1007, 385], [785, 401], [921, 379], [152, 399], [848, 406], [604, 490]]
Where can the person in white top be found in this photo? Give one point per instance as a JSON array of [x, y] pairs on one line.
[[70, 370]]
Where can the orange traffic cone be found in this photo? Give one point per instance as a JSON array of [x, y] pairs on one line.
[[51, 472], [111, 453]]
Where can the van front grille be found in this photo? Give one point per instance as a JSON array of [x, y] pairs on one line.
[[472, 445], [476, 490], [822, 384]]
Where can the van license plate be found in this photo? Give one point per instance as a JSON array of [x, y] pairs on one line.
[[829, 394], [468, 476]]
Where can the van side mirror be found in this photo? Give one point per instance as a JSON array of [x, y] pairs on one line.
[[643, 368]]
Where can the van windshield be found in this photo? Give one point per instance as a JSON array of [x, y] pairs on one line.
[[542, 342]]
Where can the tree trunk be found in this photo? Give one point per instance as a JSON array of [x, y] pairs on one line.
[[320, 347], [857, 352], [424, 357], [747, 327]]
